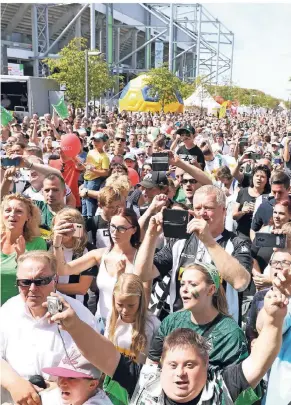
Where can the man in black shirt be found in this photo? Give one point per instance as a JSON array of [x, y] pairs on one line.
[[184, 376], [189, 151]]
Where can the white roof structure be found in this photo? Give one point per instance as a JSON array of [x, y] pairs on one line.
[[201, 98]]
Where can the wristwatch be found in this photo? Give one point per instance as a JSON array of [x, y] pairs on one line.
[[86, 193]]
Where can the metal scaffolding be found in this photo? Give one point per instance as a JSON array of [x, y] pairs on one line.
[[133, 37]]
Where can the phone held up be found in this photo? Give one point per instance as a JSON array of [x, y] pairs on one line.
[[6, 161], [160, 162], [270, 240], [54, 305], [78, 231], [175, 223]]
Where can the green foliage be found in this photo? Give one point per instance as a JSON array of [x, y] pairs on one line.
[[244, 96], [69, 69], [164, 84]]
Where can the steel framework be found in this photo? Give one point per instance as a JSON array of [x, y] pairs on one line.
[[189, 38]]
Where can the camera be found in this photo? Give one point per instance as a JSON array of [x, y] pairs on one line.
[[54, 305]]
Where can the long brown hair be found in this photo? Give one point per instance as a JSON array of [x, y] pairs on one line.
[[219, 298], [131, 285]]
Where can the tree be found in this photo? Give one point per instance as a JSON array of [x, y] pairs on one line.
[[69, 70], [163, 85]]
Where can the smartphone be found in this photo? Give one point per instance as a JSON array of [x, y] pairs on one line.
[[175, 224], [78, 231], [270, 240], [255, 156], [160, 162], [6, 161], [277, 161]]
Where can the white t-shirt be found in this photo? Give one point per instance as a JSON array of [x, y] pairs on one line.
[[123, 335], [30, 344], [34, 195], [212, 166]]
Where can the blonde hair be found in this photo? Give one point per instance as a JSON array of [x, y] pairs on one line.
[[74, 216], [121, 182], [108, 195], [41, 255], [31, 227], [131, 285], [218, 299]]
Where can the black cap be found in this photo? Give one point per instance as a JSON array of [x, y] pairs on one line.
[[154, 179], [187, 128]]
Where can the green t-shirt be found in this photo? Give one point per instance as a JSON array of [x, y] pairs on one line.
[[8, 269], [228, 343]]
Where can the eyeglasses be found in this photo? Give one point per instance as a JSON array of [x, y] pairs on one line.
[[37, 282], [190, 181], [284, 264], [119, 229], [140, 154], [120, 139]]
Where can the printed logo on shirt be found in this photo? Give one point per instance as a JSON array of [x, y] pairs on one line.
[[244, 249], [181, 271], [106, 232]]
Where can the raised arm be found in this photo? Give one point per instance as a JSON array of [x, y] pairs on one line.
[[269, 342], [144, 267], [230, 269], [286, 152], [97, 349], [194, 171]]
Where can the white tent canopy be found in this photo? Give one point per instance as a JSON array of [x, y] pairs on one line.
[[201, 98]]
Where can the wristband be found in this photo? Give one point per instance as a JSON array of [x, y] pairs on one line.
[[30, 166], [86, 193], [57, 247]]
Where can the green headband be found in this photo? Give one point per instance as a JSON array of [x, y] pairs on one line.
[[214, 274]]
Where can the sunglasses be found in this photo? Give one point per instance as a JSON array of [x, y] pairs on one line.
[[141, 154], [120, 139], [37, 282], [190, 181]]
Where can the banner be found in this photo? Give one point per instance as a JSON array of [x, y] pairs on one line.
[[159, 53], [6, 117], [222, 111], [61, 108]]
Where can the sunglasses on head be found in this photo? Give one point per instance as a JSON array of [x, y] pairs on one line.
[[190, 181], [37, 282], [120, 139]]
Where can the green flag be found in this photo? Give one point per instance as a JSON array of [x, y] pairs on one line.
[[61, 108], [6, 117]]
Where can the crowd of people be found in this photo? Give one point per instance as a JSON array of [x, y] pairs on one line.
[[143, 317]]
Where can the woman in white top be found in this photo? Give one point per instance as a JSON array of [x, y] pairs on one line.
[[118, 258], [74, 244]]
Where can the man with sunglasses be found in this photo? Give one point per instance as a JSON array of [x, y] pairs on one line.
[[189, 151], [119, 144], [29, 342]]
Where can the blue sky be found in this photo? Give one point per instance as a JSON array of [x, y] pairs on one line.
[[262, 52]]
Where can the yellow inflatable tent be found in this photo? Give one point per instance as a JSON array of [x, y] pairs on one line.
[[135, 97]]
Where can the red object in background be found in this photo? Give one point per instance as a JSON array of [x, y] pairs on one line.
[[133, 176], [70, 145], [219, 99]]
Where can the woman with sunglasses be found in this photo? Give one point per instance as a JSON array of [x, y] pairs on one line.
[[119, 258], [20, 221]]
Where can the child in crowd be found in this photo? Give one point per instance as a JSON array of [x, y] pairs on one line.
[[130, 327]]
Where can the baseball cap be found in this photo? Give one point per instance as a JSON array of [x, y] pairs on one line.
[[130, 156], [187, 128], [74, 366], [99, 136], [154, 179]]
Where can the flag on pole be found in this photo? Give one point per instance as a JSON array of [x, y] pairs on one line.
[[222, 111], [6, 117], [61, 108]]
